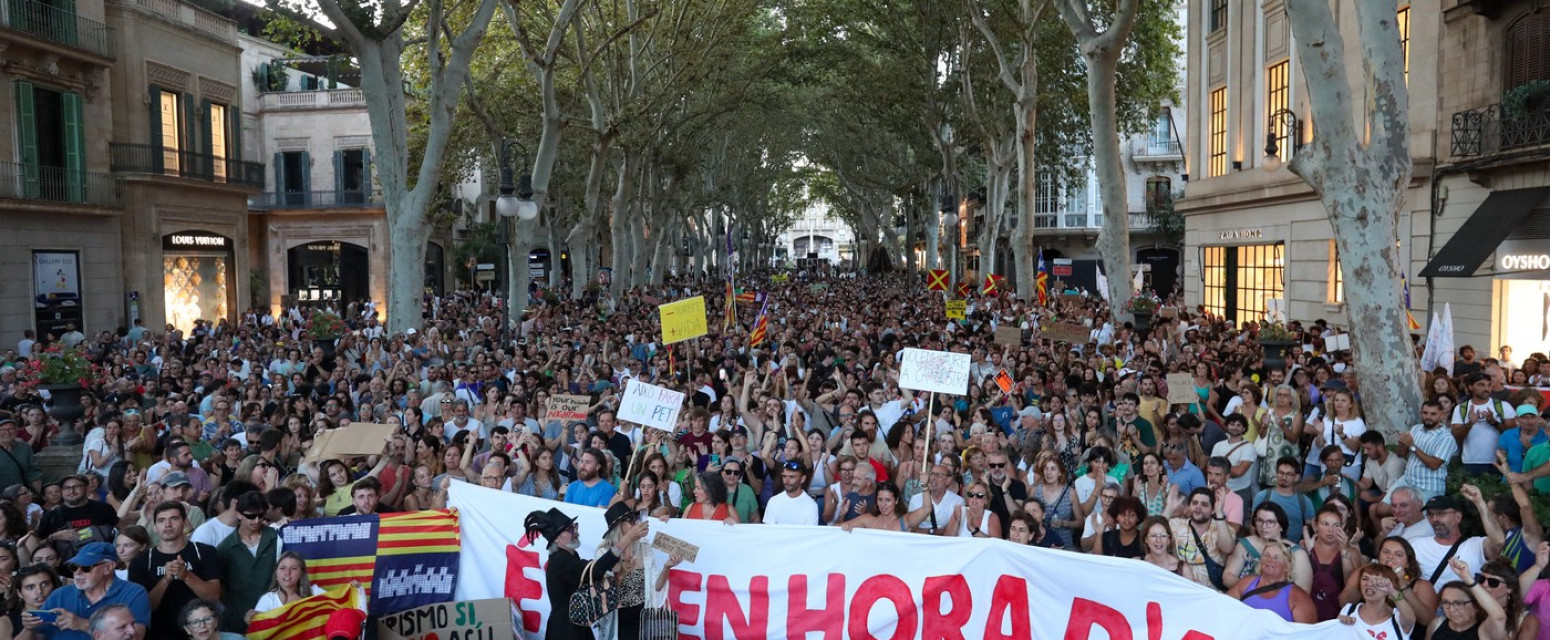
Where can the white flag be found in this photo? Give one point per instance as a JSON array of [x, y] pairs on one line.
[[1433, 337], [1445, 345], [1103, 285]]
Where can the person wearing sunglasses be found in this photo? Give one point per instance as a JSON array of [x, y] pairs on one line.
[[1469, 612], [792, 506], [248, 558], [93, 587], [175, 571]]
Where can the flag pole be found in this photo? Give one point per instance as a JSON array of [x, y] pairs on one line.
[[930, 422]]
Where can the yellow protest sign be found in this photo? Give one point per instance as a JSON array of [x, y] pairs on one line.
[[956, 309], [780, 278], [683, 319]]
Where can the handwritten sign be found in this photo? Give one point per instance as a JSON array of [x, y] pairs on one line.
[[489, 618], [1009, 335], [1168, 313], [567, 407], [674, 546], [940, 371], [1181, 389], [1064, 331], [818, 287], [956, 309], [780, 278], [1339, 342], [683, 319], [1004, 380], [650, 405]]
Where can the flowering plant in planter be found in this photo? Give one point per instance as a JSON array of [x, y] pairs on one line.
[[59, 366], [324, 325], [1274, 332], [1143, 302]]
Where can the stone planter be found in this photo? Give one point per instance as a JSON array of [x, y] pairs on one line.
[[65, 406], [1275, 353]]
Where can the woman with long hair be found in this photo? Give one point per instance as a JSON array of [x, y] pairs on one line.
[[122, 480], [290, 583], [131, 541], [1382, 607], [103, 448], [888, 512], [1279, 434], [710, 500], [1501, 581], [1396, 553], [1341, 426], [1052, 488], [31, 587], [422, 495], [1151, 485], [539, 477]]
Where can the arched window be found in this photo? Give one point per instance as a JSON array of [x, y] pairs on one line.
[[1528, 49]]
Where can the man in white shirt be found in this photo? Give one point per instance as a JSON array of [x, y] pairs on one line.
[[943, 503], [1407, 522], [792, 506], [462, 422], [1446, 512]]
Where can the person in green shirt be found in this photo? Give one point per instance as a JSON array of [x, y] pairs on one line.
[[249, 557], [1536, 468], [740, 495], [1128, 421]]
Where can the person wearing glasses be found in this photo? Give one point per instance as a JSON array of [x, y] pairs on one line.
[[248, 557], [93, 587], [76, 519], [199, 620], [1469, 612], [943, 502], [792, 506], [175, 571], [563, 574]]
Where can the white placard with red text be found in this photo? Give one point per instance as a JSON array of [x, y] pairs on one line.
[[776, 581]]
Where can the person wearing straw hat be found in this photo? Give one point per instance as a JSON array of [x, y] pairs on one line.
[[562, 577]]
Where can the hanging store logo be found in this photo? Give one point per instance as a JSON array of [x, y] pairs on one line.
[[1525, 261]]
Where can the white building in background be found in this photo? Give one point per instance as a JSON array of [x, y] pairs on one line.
[[820, 235]]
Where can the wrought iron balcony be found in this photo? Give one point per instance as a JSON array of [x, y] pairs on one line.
[[339, 199], [1489, 130], [159, 160], [56, 184], [1152, 150], [62, 26]]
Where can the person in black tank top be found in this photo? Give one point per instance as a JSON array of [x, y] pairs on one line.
[[1468, 610]]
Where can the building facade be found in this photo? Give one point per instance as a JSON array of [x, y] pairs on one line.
[[818, 235]]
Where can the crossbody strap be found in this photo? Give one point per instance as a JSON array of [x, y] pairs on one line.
[[1443, 564]]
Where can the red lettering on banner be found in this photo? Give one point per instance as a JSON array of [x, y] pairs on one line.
[[722, 606], [520, 587], [678, 582], [1154, 625], [936, 624], [830, 620], [1085, 614], [877, 588], [1009, 599]]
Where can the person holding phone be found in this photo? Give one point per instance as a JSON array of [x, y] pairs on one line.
[[93, 587]]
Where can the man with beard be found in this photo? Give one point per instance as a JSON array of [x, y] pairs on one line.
[[175, 571], [792, 506], [93, 588], [1447, 541], [1298, 507], [589, 488], [77, 519], [1427, 448], [1201, 533], [563, 574], [1006, 491]]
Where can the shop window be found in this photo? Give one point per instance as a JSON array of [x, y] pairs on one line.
[[1278, 98], [1238, 281], [1402, 22], [51, 144], [1217, 164], [1336, 276], [1528, 49]]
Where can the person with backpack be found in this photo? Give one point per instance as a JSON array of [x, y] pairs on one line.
[[1478, 423], [1383, 607]]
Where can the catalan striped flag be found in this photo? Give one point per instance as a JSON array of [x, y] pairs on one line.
[[403, 560], [747, 297], [730, 319], [1404, 284], [1041, 282], [761, 327], [304, 618]]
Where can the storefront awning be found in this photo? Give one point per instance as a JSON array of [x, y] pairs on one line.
[[1501, 212]]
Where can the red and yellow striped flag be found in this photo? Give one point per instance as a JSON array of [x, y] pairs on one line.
[[304, 619], [761, 327]]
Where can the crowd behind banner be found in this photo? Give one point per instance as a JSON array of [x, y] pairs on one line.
[[1178, 444]]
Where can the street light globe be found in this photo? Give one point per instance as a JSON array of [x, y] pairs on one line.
[[507, 206], [951, 219], [1270, 162], [527, 209]]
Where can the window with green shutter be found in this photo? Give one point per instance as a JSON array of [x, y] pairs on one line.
[[27, 141]]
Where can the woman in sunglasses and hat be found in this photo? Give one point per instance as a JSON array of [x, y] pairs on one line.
[[563, 575], [629, 575]]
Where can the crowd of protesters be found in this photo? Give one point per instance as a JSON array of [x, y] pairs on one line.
[[1268, 485]]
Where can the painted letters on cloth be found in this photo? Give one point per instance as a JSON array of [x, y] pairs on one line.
[[404, 560], [777, 581]]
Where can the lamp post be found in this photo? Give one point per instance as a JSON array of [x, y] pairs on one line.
[[515, 200], [949, 211], [1283, 119]]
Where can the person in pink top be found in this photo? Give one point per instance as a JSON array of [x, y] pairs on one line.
[[1536, 590]]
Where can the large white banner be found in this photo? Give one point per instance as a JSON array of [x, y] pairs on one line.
[[785, 581]]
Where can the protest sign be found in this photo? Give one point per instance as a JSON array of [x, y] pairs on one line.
[[650, 405], [940, 371], [1168, 313], [1004, 381], [486, 619], [674, 547], [780, 278], [683, 319], [403, 560], [358, 439], [1339, 342], [818, 287], [567, 407], [1011, 335], [823, 582], [1181, 389], [956, 309], [1064, 331]]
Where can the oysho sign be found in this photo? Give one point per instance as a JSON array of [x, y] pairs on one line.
[[1524, 262]]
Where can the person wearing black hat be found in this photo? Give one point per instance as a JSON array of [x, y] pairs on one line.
[[1446, 513], [629, 575], [562, 577]]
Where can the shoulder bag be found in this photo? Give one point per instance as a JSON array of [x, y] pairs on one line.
[[594, 598]]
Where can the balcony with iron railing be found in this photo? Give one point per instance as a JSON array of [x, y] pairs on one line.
[[158, 160], [1152, 149], [335, 199], [305, 100], [60, 26], [56, 184], [212, 24], [1490, 130]]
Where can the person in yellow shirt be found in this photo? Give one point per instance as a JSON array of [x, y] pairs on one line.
[[1152, 407]]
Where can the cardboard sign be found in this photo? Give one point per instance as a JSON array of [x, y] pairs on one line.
[[1065, 331], [358, 439], [674, 546], [818, 287], [471, 619], [1009, 335], [1168, 313], [940, 371], [650, 405], [1004, 380], [956, 309], [683, 319], [1181, 389], [568, 407], [780, 278]]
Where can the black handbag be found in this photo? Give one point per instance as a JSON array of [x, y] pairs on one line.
[[1213, 568], [593, 599]]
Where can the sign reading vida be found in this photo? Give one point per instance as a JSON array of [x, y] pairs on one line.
[[652, 405], [940, 371], [683, 320]]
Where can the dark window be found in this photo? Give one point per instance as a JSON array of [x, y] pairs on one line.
[[1159, 193], [1528, 49], [1218, 14]]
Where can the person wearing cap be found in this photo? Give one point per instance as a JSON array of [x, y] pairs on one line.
[[562, 574], [1446, 513], [1515, 442], [175, 571], [93, 588], [77, 518], [16, 463], [176, 487]]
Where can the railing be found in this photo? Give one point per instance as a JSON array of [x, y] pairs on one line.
[[57, 184], [57, 25], [1142, 221], [190, 15], [1156, 149], [313, 200], [156, 159], [331, 99], [1490, 130]]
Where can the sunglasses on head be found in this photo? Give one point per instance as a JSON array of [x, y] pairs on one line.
[[792, 465]]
